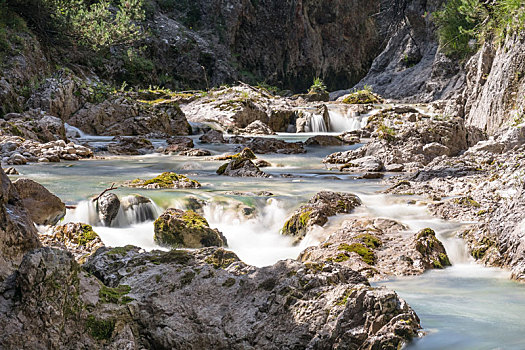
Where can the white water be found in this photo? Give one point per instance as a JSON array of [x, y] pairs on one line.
[[344, 119], [74, 132], [316, 124]]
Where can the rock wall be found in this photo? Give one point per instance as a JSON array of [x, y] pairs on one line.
[[492, 96]]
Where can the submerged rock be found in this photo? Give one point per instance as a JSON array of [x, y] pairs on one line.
[[44, 207], [212, 136], [165, 180], [130, 146], [77, 238], [108, 206], [186, 229], [316, 212]]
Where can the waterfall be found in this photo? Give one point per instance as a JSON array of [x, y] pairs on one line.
[[343, 119], [316, 124], [74, 132], [133, 210]]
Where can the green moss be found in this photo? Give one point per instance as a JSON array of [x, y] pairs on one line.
[[344, 299], [114, 295], [466, 202], [187, 278], [304, 217], [177, 256], [120, 250], [222, 169], [340, 258], [361, 97], [229, 282], [86, 235], [314, 267], [365, 253], [100, 329], [369, 240], [221, 259], [165, 180], [194, 220]]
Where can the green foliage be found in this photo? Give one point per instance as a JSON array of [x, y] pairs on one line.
[[464, 24], [93, 24], [100, 329], [386, 133], [318, 86]]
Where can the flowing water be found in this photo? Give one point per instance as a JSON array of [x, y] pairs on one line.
[[463, 307]]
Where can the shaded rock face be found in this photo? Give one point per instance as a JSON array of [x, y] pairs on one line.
[[130, 146], [177, 228], [411, 52], [378, 248], [316, 212], [18, 234], [77, 238], [287, 305], [336, 40], [44, 207], [107, 206]]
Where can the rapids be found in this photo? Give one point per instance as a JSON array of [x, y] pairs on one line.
[[466, 306]]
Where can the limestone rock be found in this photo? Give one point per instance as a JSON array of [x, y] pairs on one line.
[[165, 180], [241, 167], [212, 136], [77, 238], [130, 146], [186, 229], [263, 145], [257, 127], [316, 212], [44, 207]]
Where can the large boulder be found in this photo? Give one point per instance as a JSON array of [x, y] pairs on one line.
[[212, 136], [17, 231], [108, 206], [44, 207], [316, 212], [380, 248], [177, 228], [263, 145], [207, 298], [241, 167]]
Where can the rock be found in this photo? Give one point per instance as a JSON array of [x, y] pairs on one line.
[[178, 144], [77, 238], [324, 140], [261, 163], [44, 207], [490, 146], [108, 206], [192, 288], [262, 145], [195, 153], [123, 114], [130, 146], [17, 232], [258, 128], [371, 176], [394, 168], [361, 97], [434, 149], [165, 180], [212, 136], [364, 164], [241, 167], [316, 212], [380, 248], [185, 229], [11, 171]]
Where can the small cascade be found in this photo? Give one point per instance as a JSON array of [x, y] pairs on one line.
[[133, 210], [344, 119], [74, 132], [316, 124]]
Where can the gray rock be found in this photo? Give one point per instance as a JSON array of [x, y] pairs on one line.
[[44, 207], [108, 206]]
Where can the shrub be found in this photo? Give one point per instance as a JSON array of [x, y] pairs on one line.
[[318, 86]]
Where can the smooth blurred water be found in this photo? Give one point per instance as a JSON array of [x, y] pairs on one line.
[[464, 307]]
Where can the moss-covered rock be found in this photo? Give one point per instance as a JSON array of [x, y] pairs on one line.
[[177, 228], [165, 180], [431, 249], [364, 252], [362, 97], [78, 238], [241, 165], [316, 212]]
